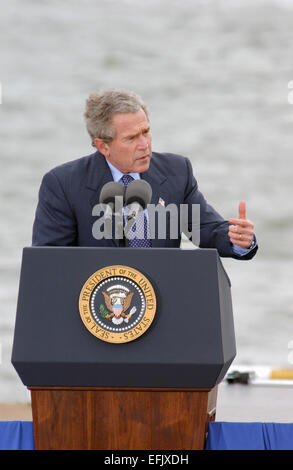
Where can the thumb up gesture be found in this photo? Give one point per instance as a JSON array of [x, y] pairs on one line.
[[241, 230]]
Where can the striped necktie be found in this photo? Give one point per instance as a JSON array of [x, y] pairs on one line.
[[140, 227]]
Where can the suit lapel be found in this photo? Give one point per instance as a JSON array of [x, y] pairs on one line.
[[99, 174], [155, 178]]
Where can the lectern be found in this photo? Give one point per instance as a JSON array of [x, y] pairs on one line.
[[122, 348]]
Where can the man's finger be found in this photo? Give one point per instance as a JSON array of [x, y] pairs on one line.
[[241, 222], [242, 210]]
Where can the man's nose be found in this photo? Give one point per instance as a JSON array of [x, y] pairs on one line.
[[143, 142]]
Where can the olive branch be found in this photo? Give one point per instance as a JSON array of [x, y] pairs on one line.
[[103, 311]]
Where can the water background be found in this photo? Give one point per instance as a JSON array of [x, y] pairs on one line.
[[215, 76]]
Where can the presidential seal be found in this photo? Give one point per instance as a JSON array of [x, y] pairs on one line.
[[117, 304]]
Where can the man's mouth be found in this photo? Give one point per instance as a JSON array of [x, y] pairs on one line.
[[144, 157]]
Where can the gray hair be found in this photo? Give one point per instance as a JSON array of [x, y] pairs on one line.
[[101, 108]]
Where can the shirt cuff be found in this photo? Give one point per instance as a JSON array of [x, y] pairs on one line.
[[238, 250]]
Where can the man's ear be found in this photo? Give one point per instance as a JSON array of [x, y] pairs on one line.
[[102, 147]]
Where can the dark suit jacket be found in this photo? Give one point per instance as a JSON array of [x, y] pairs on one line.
[[69, 192]]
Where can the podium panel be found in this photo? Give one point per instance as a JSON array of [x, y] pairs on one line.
[[190, 343], [122, 419]]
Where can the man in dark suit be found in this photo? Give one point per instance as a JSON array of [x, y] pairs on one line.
[[119, 128]]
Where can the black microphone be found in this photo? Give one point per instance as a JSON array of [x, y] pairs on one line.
[[138, 195], [108, 194]]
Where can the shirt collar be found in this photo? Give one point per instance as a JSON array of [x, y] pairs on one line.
[[117, 174]]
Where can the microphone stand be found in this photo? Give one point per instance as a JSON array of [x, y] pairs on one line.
[[119, 228]]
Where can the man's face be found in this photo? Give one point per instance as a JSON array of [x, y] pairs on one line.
[[131, 149]]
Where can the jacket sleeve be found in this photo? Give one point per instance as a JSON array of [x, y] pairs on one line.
[[55, 222]]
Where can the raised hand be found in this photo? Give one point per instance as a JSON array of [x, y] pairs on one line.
[[241, 230]]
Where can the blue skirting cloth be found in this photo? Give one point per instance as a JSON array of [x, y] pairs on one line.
[[18, 435], [250, 436]]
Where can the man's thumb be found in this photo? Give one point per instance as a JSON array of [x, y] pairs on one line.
[[242, 210]]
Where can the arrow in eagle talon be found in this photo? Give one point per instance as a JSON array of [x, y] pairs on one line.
[[132, 311]]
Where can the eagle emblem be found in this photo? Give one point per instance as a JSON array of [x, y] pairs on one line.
[[118, 300]]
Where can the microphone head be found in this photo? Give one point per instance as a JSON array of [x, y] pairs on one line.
[[110, 190], [138, 191]]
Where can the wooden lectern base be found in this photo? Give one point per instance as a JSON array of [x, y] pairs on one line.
[[121, 419]]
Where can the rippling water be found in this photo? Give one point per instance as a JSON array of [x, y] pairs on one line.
[[215, 76]]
